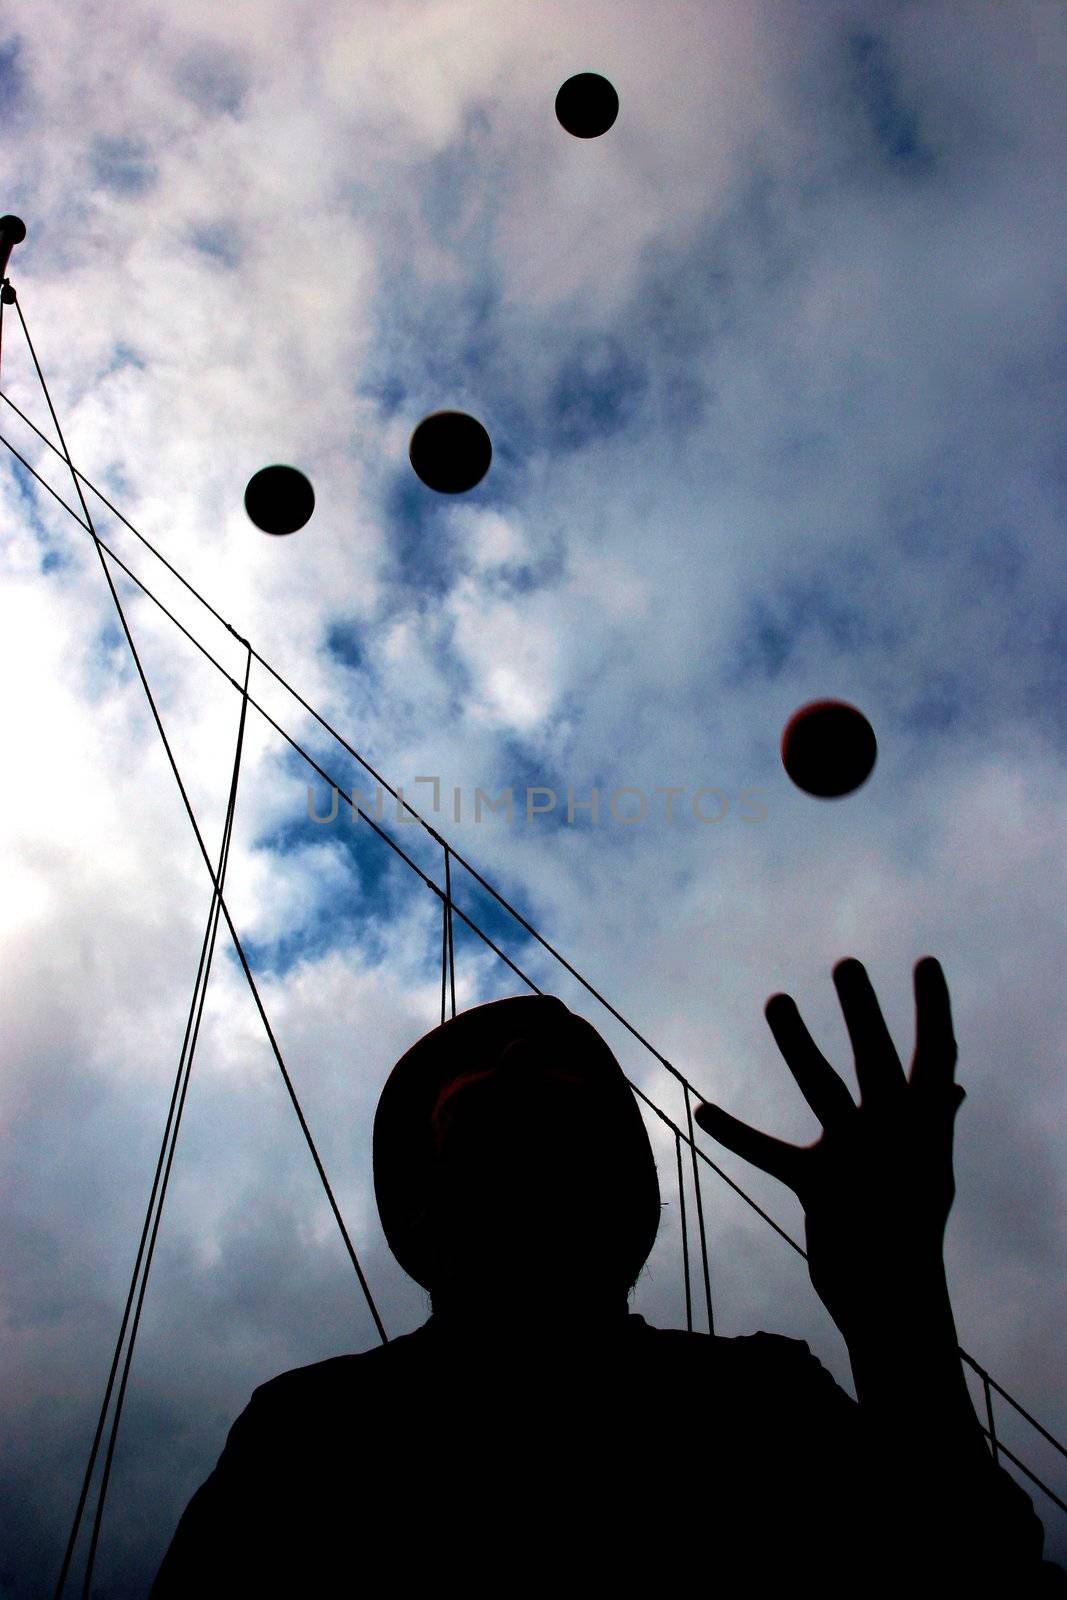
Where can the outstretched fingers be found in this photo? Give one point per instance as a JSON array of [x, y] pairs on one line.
[[934, 1062], [878, 1069], [820, 1085]]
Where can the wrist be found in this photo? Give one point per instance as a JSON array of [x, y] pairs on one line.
[[909, 1378], [896, 1299]]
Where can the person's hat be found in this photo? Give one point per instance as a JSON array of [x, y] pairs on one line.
[[407, 1122]]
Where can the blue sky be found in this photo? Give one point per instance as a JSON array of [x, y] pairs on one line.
[[774, 374]]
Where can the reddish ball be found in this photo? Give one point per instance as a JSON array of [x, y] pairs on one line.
[[828, 749]]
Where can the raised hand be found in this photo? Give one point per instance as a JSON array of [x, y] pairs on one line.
[[877, 1186]]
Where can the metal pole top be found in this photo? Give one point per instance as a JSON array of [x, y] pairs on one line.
[[12, 232]]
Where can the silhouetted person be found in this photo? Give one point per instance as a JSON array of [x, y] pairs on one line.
[[535, 1436]]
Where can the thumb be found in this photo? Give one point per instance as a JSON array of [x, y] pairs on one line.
[[770, 1155]]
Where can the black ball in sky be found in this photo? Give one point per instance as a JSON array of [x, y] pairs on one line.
[[828, 749], [587, 105], [279, 499], [450, 451]]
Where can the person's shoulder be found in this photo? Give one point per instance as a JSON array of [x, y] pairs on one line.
[[755, 1348], [773, 1361], [358, 1372], [773, 1384]]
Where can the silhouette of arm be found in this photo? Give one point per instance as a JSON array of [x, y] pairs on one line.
[[863, 1489], [876, 1189]]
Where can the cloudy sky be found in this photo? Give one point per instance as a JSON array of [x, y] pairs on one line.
[[775, 375]]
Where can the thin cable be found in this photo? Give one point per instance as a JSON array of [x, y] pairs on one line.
[[448, 928], [444, 955], [986, 1378], [117, 559], [673, 1126], [105, 501], [700, 1210], [685, 1234], [206, 949], [1014, 1459], [989, 1413], [496, 895], [207, 861], [197, 1008]]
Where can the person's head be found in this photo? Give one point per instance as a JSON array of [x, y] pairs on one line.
[[511, 1161]]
